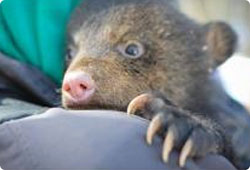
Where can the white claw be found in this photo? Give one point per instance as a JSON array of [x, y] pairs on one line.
[[137, 103], [168, 144], [154, 127], [186, 152]]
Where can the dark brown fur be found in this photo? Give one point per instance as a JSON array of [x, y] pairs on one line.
[[180, 57]]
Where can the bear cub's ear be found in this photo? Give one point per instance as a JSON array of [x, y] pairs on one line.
[[221, 41]]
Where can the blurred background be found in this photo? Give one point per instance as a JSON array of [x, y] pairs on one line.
[[235, 73], [234, 12]]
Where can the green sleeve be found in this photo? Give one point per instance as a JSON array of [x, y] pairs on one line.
[[33, 31]]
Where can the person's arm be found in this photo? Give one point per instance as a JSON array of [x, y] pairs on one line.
[[61, 139], [34, 85]]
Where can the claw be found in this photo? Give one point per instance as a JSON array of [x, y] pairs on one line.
[[154, 127], [186, 152], [138, 103], [169, 143]]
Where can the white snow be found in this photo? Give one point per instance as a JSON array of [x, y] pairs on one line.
[[235, 75]]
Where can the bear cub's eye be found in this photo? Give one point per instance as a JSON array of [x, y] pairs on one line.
[[69, 54], [132, 49]]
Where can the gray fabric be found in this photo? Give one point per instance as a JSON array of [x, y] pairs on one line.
[[11, 108], [60, 139]]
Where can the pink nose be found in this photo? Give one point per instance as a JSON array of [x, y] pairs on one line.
[[78, 86]]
